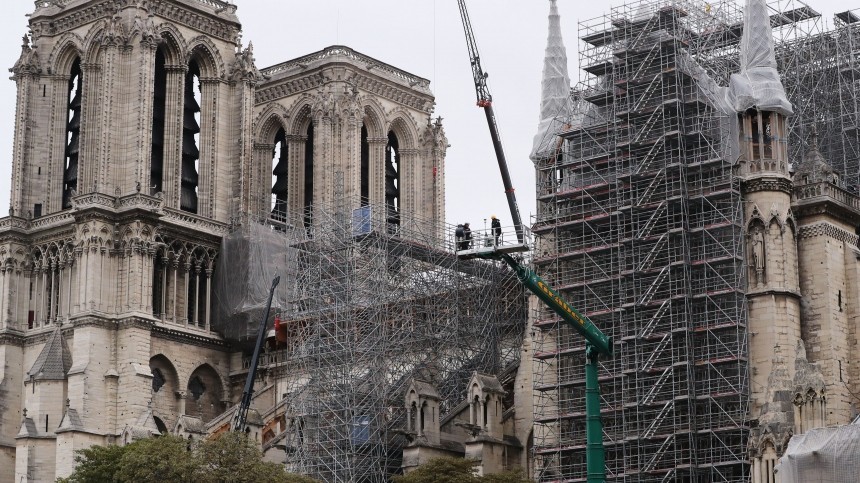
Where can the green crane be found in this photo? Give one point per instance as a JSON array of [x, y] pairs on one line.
[[596, 344]]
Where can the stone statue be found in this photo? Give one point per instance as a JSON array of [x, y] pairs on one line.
[[757, 255]]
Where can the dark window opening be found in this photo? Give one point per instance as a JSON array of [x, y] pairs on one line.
[[192, 296], [365, 168], [37, 210], [162, 428], [197, 388], [392, 182], [156, 170], [201, 303], [73, 131], [485, 413], [157, 288], [768, 135], [309, 175], [755, 135], [157, 379], [190, 136], [280, 170], [840, 300]]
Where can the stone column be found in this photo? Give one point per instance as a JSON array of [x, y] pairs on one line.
[[296, 178]]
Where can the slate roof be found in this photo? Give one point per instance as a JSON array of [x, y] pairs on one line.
[[54, 361]]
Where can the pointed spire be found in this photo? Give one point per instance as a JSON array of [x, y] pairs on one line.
[[555, 86], [54, 361], [758, 84], [757, 38]]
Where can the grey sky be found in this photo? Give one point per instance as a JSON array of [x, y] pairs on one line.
[[425, 38]]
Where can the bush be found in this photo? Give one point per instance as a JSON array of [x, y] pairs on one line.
[[171, 459]]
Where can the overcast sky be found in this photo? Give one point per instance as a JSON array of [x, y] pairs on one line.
[[424, 37]]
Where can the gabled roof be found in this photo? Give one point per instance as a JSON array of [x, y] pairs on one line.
[[54, 361]]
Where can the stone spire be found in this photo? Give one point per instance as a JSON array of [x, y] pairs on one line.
[[555, 107], [758, 83]]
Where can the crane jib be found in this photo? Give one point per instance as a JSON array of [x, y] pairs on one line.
[[579, 322]]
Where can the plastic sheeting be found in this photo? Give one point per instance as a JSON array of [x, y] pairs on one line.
[[250, 258], [830, 455], [555, 89], [758, 84]]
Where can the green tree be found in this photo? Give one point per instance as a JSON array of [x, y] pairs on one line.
[[164, 459], [171, 459], [455, 470], [234, 458], [96, 463]]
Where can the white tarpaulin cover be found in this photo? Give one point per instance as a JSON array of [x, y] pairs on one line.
[[758, 83], [826, 455], [555, 89]]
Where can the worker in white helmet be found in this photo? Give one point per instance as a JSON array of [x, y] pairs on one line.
[[496, 228]]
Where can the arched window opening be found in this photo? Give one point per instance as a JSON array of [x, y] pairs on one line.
[[157, 379], [280, 169], [767, 133], [195, 298], [156, 169], [392, 182], [73, 130], [309, 175], [484, 412], [365, 168], [195, 385], [158, 278], [190, 140], [162, 428]]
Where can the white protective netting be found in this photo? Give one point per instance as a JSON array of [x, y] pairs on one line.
[[825, 455], [758, 84], [555, 89]]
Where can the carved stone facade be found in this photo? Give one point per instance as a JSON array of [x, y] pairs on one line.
[[803, 263], [143, 133]]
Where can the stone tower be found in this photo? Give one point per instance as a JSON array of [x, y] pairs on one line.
[[144, 133], [772, 278]]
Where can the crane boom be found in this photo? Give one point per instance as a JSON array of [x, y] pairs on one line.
[[485, 101], [240, 418]]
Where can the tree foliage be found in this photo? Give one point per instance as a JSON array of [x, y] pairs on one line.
[[456, 470], [169, 459]]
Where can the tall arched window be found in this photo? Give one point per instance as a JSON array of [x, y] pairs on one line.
[[392, 181], [280, 169], [365, 167], [73, 129], [309, 174], [156, 170], [190, 138]]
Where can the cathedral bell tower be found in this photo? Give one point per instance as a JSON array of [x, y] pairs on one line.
[[773, 291]]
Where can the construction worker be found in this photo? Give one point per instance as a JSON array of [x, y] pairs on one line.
[[467, 237], [459, 235], [496, 228]]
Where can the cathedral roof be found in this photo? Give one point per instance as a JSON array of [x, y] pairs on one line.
[[54, 361], [71, 421], [28, 429], [555, 87], [487, 383], [758, 83]]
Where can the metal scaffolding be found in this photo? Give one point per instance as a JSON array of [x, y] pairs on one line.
[[376, 305], [640, 226]]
